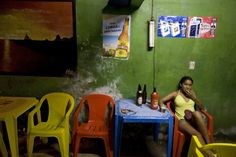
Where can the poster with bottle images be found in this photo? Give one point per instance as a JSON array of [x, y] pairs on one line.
[[116, 36], [201, 27], [172, 26]]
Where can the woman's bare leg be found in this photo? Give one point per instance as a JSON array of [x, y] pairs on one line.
[[186, 127], [201, 126]]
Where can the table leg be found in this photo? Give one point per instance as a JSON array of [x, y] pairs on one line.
[[156, 131], [118, 134], [3, 150], [11, 125], [121, 123], [170, 136]]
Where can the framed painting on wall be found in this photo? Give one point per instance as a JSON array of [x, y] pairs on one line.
[[37, 38]]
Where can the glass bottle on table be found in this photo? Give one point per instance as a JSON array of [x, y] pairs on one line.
[[139, 96], [154, 99], [144, 94]]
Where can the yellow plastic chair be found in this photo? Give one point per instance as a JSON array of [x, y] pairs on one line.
[[218, 149], [60, 106]]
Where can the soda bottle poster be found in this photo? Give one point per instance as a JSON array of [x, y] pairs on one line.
[[172, 26], [201, 27], [116, 36]]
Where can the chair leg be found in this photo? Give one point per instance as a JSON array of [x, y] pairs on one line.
[[30, 145], [111, 153], [76, 145], [180, 146], [64, 147], [107, 147], [211, 137], [175, 146]]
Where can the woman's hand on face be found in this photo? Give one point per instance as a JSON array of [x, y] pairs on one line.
[[190, 94]]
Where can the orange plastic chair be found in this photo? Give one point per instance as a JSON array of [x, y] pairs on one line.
[[218, 149], [100, 121], [60, 106], [180, 137]]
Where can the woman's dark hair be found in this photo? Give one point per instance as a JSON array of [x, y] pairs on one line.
[[183, 79]]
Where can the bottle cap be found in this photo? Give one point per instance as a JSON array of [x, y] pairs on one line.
[[154, 89]]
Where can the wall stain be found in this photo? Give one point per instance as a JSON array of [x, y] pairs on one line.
[[80, 86]]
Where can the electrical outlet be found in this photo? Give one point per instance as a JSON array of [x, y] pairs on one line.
[[191, 65]]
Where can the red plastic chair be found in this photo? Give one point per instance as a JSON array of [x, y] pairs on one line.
[[100, 122], [180, 137]]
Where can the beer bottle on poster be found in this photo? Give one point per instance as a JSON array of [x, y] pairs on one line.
[[123, 41], [213, 27], [144, 94], [184, 28], [154, 99], [139, 96]]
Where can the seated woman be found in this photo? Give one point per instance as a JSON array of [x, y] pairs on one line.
[[184, 100]]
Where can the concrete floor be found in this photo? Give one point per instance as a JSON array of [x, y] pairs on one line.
[[135, 143], [131, 147], [144, 147]]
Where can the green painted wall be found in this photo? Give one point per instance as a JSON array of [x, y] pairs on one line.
[[214, 74]]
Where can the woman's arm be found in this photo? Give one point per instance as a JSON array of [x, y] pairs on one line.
[[168, 97], [192, 95]]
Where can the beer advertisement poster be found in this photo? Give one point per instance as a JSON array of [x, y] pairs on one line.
[[172, 26], [116, 36], [201, 27]]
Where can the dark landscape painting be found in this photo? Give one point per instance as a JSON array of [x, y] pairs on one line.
[[37, 38]]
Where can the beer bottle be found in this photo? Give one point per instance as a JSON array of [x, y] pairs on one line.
[[123, 41], [139, 96], [144, 94]]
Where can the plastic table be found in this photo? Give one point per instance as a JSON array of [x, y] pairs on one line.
[[3, 149], [126, 111], [10, 109]]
